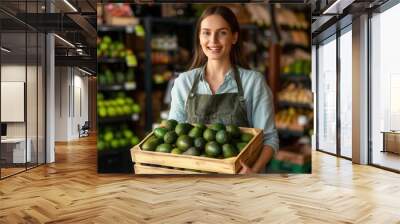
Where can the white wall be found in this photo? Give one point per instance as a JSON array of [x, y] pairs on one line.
[[71, 93]]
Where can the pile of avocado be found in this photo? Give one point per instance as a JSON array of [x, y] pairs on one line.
[[117, 105], [214, 141]]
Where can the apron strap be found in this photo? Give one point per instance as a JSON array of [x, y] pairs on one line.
[[238, 82], [193, 90], [237, 79]]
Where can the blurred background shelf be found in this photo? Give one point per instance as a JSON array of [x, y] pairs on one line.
[[295, 104], [111, 60], [111, 120]]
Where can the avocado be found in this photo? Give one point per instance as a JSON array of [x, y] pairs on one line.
[[217, 126], [170, 137], [199, 143], [213, 149], [192, 151], [233, 130], [184, 142], [229, 150], [151, 144], [200, 125], [170, 124], [240, 146], [176, 151], [164, 148], [209, 135], [195, 132], [246, 137], [222, 137], [182, 128], [160, 132]]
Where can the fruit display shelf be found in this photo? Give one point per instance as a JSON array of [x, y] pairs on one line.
[[117, 119], [295, 104], [115, 28], [111, 60], [117, 87], [296, 78]]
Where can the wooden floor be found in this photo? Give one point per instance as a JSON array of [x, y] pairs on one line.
[[70, 191], [387, 159]]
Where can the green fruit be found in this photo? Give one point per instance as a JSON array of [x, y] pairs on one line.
[[222, 137], [170, 124], [200, 125], [182, 128], [233, 130], [184, 142], [176, 151], [101, 145], [229, 151], [115, 144], [192, 151], [240, 146], [134, 140], [213, 149], [151, 144], [195, 132], [246, 137], [209, 135], [199, 143], [102, 112], [136, 108], [108, 136], [170, 137], [217, 127], [123, 142], [164, 148], [128, 134], [160, 132]]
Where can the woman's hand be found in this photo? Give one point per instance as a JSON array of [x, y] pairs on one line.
[[245, 169]]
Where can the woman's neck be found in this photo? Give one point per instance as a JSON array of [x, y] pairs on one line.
[[218, 69]]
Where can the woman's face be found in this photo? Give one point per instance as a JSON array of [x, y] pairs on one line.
[[216, 37]]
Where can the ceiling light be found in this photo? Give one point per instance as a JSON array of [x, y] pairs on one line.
[[65, 41], [84, 71], [5, 49], [70, 5]]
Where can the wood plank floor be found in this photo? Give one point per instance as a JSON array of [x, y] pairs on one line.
[[70, 191]]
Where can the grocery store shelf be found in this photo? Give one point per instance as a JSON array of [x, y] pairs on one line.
[[114, 28], [294, 104], [290, 133], [290, 46], [133, 117], [296, 77], [291, 28], [111, 60], [126, 87]]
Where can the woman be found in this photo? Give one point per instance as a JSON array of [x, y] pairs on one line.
[[219, 88]]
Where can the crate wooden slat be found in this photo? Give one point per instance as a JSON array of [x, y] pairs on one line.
[[149, 169], [229, 166]]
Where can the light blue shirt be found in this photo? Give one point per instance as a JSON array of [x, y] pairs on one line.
[[257, 94]]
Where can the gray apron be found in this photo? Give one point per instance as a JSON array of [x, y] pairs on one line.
[[226, 108]]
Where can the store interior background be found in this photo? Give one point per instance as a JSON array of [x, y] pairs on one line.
[[142, 48], [69, 97]]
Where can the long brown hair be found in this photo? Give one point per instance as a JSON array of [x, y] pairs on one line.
[[236, 55]]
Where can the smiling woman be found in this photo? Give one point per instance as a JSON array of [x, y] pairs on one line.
[[219, 76]]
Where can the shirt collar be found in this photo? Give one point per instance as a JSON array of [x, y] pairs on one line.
[[229, 74]]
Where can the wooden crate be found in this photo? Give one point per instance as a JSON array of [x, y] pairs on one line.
[[229, 166], [152, 169]]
